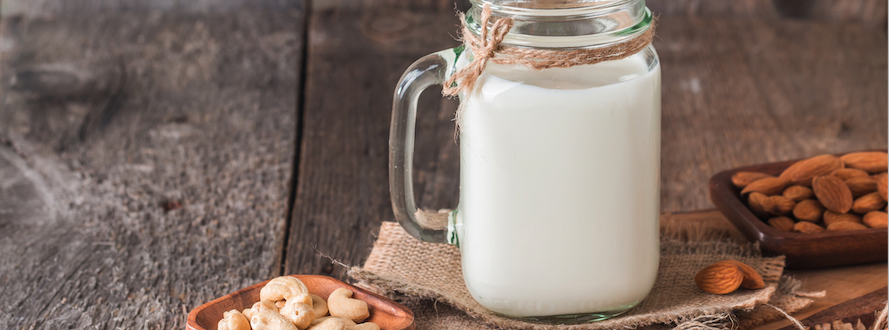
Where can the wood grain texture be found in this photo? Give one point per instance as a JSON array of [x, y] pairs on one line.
[[43, 8], [743, 92], [355, 57], [842, 284], [145, 162], [863, 309], [868, 12]]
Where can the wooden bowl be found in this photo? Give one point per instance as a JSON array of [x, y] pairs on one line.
[[389, 315], [803, 251]]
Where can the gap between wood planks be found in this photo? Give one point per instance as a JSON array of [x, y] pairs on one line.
[[298, 132]]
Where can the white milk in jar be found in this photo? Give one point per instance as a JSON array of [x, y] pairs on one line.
[[559, 187]]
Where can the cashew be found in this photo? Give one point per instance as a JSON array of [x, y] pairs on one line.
[[269, 320], [304, 298], [319, 305], [299, 313], [329, 323], [282, 287], [247, 312], [264, 305], [346, 321], [280, 303], [364, 326], [233, 320], [341, 304]]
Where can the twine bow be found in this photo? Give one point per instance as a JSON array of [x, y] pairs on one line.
[[482, 50]]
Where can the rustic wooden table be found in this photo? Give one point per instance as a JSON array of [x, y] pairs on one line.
[[155, 155]]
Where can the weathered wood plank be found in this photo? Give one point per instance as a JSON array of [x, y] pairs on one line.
[[355, 57], [779, 90], [38, 8], [145, 163], [735, 92], [869, 12]]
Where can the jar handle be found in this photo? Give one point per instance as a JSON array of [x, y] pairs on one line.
[[426, 226]]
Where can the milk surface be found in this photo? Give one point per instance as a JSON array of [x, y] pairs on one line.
[[559, 189]]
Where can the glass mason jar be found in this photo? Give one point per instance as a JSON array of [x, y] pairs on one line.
[[559, 167]]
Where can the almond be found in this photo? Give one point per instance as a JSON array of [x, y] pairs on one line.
[[742, 179], [831, 217], [845, 226], [802, 172], [848, 173], [760, 204], [833, 193], [870, 161], [720, 278], [752, 280], [781, 205], [861, 186], [867, 203], [798, 193], [781, 223], [876, 219], [882, 183], [807, 228], [808, 210], [767, 186]]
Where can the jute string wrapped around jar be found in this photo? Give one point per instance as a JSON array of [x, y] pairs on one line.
[[490, 48]]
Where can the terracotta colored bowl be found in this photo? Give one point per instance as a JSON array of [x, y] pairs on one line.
[[389, 315], [803, 251]]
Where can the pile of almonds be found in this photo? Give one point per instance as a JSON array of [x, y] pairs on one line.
[[821, 193]]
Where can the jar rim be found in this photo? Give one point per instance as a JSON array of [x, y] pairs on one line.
[[587, 27], [551, 7]]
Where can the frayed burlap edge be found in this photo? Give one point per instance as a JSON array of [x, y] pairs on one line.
[[383, 273]]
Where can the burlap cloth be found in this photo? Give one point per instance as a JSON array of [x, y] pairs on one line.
[[428, 279]]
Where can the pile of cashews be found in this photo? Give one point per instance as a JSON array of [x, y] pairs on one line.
[[286, 304]]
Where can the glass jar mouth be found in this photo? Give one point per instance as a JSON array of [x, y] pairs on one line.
[[537, 25], [553, 7]]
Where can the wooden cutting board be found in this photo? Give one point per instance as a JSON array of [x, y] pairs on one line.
[[841, 284]]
